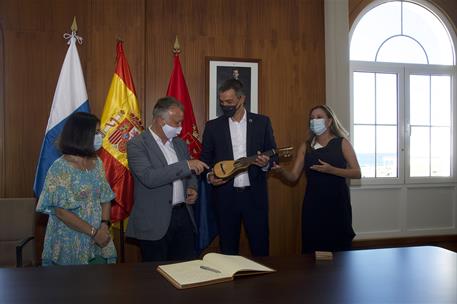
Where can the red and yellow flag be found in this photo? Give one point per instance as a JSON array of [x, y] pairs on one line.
[[177, 88], [121, 121]]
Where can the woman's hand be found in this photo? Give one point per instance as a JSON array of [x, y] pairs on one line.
[[323, 167], [102, 237], [277, 168]]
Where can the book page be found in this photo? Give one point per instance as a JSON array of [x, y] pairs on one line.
[[189, 273], [231, 264]]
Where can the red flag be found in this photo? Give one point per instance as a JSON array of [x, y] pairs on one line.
[[178, 89], [121, 120], [204, 214]]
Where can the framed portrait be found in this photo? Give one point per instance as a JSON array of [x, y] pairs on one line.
[[221, 69]]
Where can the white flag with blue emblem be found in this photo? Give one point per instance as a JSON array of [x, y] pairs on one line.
[[70, 96]]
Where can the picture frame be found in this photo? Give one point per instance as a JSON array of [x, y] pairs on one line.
[[219, 69]]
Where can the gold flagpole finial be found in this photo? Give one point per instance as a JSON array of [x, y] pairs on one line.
[[176, 46], [74, 25]]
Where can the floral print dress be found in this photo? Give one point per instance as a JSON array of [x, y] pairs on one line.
[[81, 192]]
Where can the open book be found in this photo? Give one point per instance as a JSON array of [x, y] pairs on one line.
[[213, 268]]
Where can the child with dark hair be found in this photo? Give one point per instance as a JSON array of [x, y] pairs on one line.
[[77, 197]]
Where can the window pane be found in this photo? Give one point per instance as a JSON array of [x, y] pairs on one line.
[[401, 49], [364, 98], [441, 151], [419, 152], [368, 35], [386, 156], [386, 99], [426, 28], [419, 100], [441, 101], [364, 146]]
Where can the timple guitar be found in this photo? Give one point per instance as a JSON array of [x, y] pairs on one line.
[[229, 168]]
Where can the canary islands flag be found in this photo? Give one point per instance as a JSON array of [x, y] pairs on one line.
[[70, 96]]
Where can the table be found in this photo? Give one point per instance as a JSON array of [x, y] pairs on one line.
[[396, 275]]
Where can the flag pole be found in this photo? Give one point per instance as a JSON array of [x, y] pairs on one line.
[[176, 46], [122, 241], [74, 25]]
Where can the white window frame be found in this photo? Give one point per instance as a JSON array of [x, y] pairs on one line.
[[404, 70], [432, 70]]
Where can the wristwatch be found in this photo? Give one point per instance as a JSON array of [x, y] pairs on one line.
[[107, 222]]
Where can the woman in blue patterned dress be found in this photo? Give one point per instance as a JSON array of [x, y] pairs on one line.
[[76, 196], [328, 161]]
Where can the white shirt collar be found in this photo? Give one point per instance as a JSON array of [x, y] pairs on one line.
[[157, 137]]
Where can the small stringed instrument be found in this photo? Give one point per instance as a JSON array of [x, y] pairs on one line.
[[228, 168]]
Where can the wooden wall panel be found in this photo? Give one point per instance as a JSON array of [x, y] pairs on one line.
[[2, 116], [108, 21], [34, 52]]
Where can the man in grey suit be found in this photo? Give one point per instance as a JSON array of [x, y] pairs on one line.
[[165, 187]]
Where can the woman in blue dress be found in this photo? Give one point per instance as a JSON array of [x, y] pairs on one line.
[[328, 160], [77, 197]]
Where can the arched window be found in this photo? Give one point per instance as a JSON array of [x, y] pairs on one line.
[[402, 60]]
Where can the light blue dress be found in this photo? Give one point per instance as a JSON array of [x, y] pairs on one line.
[[81, 192]]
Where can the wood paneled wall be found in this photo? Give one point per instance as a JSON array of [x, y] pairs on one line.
[[2, 118], [288, 36]]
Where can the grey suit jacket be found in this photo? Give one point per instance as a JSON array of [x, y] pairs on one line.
[[153, 185]]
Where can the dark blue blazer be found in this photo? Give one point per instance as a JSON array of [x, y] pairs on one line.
[[217, 146]]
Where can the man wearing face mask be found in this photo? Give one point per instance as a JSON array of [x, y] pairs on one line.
[[239, 133], [165, 187]]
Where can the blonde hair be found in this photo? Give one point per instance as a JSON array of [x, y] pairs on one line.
[[336, 128]]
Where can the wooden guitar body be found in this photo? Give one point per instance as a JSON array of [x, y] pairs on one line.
[[227, 169]]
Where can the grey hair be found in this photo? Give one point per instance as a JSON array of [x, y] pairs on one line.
[[163, 105]]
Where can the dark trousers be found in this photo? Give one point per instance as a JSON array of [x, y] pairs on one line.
[[243, 206], [177, 244]]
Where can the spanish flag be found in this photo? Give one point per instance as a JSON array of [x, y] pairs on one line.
[[121, 121]]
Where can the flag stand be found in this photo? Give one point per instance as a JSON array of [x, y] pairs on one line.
[[122, 241]]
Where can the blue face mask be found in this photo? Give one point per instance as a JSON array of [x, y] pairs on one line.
[[98, 141], [317, 126]]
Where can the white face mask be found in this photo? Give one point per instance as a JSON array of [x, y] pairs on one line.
[[317, 126], [171, 132], [98, 141]]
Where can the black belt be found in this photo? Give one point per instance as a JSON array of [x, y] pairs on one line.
[[241, 189], [180, 205]]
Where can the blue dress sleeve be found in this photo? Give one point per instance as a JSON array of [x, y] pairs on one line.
[[56, 190], [106, 194]]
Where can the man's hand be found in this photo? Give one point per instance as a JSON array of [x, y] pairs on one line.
[[197, 166], [261, 160], [191, 195], [213, 180]]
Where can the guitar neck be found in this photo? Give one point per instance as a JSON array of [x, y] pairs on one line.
[[249, 160]]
